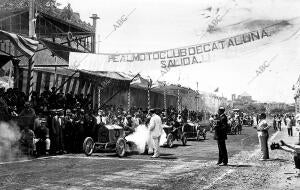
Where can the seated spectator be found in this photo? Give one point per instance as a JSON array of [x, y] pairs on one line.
[[27, 141], [42, 140]]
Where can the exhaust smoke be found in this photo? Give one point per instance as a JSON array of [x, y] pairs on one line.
[[141, 137], [9, 137]]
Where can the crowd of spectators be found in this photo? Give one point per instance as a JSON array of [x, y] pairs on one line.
[[64, 120]]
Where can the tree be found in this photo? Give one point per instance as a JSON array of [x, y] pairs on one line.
[[48, 3], [67, 12], [277, 111]]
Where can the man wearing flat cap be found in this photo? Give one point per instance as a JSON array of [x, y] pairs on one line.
[[221, 136], [155, 127]]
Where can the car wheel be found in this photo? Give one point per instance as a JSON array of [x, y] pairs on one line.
[[88, 146], [146, 150], [184, 139], [120, 147], [204, 134], [198, 135], [170, 140]]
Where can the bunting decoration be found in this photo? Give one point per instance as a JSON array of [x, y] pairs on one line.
[[24, 45]]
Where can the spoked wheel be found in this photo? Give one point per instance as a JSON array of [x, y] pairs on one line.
[[198, 135], [184, 139], [88, 146], [204, 134], [233, 131], [146, 150], [120, 147], [170, 140]]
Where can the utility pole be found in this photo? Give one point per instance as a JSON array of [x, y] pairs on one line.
[[31, 19]]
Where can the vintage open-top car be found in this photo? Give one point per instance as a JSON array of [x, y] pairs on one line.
[[108, 137], [194, 130], [174, 132]]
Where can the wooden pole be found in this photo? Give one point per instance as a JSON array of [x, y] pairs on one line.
[[165, 100], [99, 97], [32, 59], [148, 93], [128, 99], [178, 100], [55, 74], [148, 98], [111, 97]]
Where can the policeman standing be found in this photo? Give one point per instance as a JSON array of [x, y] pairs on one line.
[[221, 136]]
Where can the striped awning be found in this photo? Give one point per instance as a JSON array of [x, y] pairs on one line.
[[105, 78], [25, 45]]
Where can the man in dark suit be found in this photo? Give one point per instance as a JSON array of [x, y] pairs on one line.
[[57, 130], [221, 136]]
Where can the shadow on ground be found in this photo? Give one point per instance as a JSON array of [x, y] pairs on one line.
[[240, 165]]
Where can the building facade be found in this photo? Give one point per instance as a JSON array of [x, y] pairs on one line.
[[296, 89]]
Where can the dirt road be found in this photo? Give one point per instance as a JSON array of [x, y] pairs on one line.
[[182, 167]]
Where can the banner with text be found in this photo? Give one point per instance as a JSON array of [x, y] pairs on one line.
[[157, 63]]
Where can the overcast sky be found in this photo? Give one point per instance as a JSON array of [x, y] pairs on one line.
[[163, 24]]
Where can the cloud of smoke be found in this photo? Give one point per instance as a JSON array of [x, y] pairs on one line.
[[9, 136], [141, 137], [163, 138]]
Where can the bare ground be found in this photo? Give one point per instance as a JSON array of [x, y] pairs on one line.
[[183, 167]]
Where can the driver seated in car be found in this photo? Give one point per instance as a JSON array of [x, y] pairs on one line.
[[179, 119], [128, 124], [177, 123]]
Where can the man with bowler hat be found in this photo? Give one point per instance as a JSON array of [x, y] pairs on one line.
[[221, 136]]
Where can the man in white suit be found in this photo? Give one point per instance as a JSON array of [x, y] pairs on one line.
[[156, 128]]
